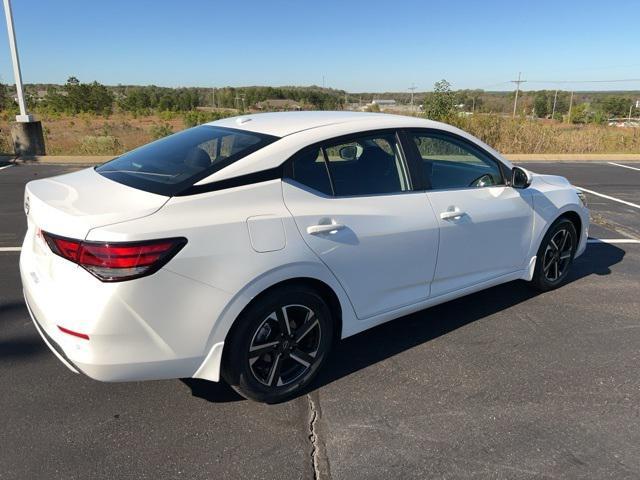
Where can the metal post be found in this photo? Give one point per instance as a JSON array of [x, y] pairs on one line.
[[23, 117]]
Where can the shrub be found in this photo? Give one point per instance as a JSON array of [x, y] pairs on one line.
[[439, 104], [100, 145], [198, 117], [6, 145], [159, 131], [167, 115]]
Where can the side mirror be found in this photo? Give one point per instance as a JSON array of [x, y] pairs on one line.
[[520, 178], [348, 152]]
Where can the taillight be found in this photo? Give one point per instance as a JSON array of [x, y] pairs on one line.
[[116, 261]]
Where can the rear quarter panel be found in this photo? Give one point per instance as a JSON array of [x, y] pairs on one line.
[[223, 252]]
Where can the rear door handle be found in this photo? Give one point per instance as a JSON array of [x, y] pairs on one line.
[[452, 214], [324, 228]]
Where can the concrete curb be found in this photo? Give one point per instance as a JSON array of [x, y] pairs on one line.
[[514, 157], [573, 157]]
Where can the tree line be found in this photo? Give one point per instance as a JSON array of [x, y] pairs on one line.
[[588, 107], [76, 97]]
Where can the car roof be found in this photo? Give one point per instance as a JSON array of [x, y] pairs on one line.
[[299, 129], [281, 124]]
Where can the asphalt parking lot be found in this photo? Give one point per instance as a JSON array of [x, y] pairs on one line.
[[505, 383]]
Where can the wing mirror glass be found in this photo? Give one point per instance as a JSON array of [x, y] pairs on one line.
[[520, 178], [348, 152]]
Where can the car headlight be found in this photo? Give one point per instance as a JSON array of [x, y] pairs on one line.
[[583, 198]]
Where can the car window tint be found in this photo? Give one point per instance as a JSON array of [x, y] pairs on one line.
[[367, 166], [309, 168], [450, 163], [171, 164]]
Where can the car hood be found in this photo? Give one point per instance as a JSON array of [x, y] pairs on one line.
[[555, 180]]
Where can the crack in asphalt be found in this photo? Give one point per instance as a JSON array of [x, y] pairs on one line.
[[313, 438], [317, 454]]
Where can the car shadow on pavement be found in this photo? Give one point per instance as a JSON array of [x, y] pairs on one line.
[[217, 392], [392, 338]]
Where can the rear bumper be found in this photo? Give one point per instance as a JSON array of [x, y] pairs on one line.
[[155, 327], [50, 342]]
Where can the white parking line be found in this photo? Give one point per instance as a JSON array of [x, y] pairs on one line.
[[612, 240], [624, 166], [10, 249], [634, 205], [6, 166]]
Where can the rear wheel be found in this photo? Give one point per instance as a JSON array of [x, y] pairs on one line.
[[555, 256], [278, 344]]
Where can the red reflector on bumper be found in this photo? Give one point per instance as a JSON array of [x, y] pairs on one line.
[[75, 334]]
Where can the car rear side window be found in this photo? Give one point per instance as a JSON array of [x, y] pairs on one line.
[[309, 168], [367, 165], [172, 164]]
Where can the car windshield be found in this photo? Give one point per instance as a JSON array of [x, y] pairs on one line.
[[172, 164]]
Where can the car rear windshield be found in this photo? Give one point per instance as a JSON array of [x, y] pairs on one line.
[[172, 164]]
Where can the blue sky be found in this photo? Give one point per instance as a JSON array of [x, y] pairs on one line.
[[356, 45]]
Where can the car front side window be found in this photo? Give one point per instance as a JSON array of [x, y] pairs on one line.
[[450, 163]]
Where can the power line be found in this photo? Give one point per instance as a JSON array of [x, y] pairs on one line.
[[586, 81], [492, 85]]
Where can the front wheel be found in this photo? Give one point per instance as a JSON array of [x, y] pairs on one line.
[[555, 256], [278, 344]]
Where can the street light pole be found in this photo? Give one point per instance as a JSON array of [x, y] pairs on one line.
[[26, 133], [23, 117]]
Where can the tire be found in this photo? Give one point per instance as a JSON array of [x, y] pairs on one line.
[[555, 256], [278, 344]]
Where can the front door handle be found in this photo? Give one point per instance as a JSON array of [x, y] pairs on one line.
[[452, 214], [324, 228]]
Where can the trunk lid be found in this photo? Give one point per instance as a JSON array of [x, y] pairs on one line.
[[72, 204]]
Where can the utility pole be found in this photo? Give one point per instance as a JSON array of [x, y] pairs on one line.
[[213, 98], [515, 101], [570, 105], [630, 109], [473, 104], [555, 100], [412, 88]]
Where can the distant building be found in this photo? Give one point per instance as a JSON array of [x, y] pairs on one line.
[[383, 103], [278, 104]]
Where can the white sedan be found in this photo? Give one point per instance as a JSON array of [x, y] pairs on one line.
[[240, 250]]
